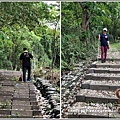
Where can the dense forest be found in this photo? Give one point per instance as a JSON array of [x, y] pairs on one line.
[[81, 22], [34, 25]]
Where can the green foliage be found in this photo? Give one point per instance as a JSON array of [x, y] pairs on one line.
[[115, 45], [30, 25], [18, 114], [5, 105], [80, 25], [15, 79]]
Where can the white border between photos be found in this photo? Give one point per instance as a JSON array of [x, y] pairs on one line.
[[60, 63]]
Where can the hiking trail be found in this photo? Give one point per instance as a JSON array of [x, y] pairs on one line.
[[93, 95]]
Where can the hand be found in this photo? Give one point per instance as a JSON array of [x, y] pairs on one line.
[[20, 66], [108, 46]]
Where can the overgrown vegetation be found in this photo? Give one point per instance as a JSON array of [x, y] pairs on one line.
[[5, 105], [34, 25], [52, 75], [116, 45], [81, 23]]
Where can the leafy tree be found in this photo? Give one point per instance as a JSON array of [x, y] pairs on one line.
[[80, 25], [31, 25]]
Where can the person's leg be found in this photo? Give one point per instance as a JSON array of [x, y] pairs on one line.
[[29, 72], [24, 74], [102, 53], [105, 50]]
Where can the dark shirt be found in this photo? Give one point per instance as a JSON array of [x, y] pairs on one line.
[[103, 40], [25, 57]]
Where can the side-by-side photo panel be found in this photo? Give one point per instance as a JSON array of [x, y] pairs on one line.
[[90, 59], [30, 59]]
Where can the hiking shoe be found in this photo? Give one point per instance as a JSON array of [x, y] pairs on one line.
[[102, 61], [28, 81]]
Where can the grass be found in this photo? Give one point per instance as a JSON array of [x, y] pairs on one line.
[[18, 114], [115, 45], [15, 79]]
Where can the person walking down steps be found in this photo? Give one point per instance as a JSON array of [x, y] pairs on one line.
[[104, 43], [25, 64]]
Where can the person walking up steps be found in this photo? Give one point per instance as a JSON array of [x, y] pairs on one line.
[[104, 43], [26, 64]]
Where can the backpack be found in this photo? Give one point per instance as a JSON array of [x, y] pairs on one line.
[[26, 57]]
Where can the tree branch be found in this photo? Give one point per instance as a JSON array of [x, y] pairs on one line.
[[88, 21]]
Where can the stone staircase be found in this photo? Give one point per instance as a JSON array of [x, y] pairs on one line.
[[96, 97], [17, 99], [27, 99]]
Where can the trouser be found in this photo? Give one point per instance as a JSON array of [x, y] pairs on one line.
[[25, 68], [104, 52]]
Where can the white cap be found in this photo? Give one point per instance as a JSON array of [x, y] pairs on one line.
[[105, 29]]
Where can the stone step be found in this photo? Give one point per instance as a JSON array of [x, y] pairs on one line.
[[98, 64], [6, 78], [95, 115], [10, 75], [25, 106], [100, 84], [7, 88], [6, 93], [37, 113], [109, 76], [88, 116], [101, 96], [7, 83], [33, 99], [5, 112], [111, 59], [33, 103], [9, 72], [104, 70], [21, 98], [21, 107], [93, 110], [107, 65], [5, 116], [35, 107], [25, 113], [19, 102], [13, 113], [4, 99], [38, 116], [22, 113]]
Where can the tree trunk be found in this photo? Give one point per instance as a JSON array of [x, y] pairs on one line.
[[84, 19], [53, 47], [83, 24]]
